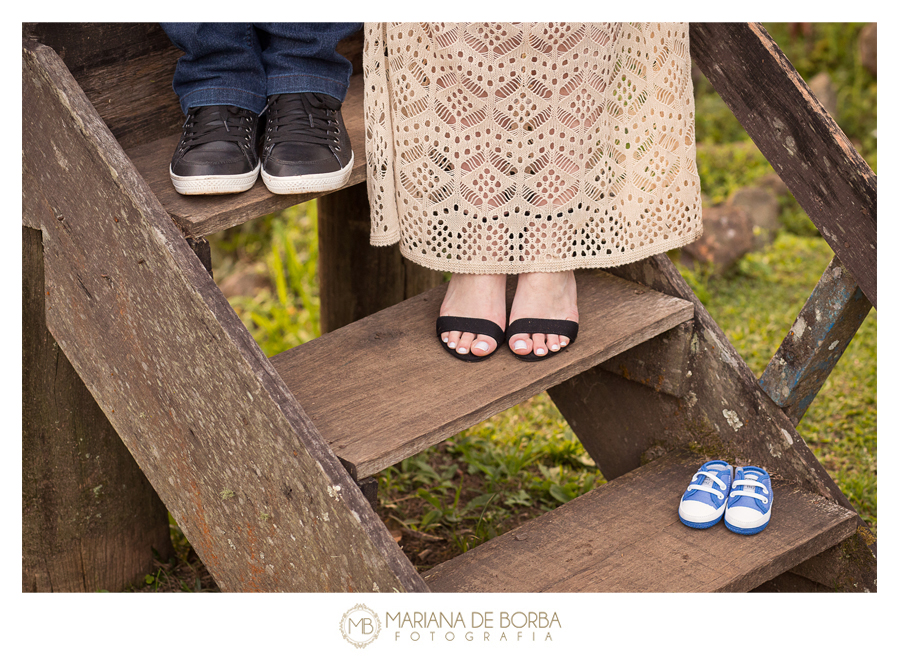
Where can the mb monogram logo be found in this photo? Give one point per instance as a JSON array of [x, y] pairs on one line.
[[360, 626]]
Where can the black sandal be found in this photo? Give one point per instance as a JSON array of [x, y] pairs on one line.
[[470, 325], [566, 328]]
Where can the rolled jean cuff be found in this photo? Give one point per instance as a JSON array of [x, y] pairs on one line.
[[223, 96], [296, 84]]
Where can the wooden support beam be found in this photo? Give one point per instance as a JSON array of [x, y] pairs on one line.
[[820, 334], [651, 375], [125, 70], [355, 278], [660, 363], [814, 158], [258, 493], [200, 246], [90, 519]]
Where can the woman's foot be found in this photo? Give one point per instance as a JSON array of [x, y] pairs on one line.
[[545, 295], [475, 296]]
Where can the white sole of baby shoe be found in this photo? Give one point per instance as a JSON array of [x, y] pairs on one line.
[[699, 520]]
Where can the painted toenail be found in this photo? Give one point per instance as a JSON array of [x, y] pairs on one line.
[[444, 338], [555, 348], [482, 346], [462, 350], [451, 345], [520, 345], [540, 351]]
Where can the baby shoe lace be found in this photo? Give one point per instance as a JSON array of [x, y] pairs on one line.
[[306, 118], [706, 485], [218, 123], [747, 492]]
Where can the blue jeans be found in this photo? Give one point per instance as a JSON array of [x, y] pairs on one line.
[[244, 63]]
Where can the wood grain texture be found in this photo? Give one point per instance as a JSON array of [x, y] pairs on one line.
[[202, 215], [626, 537], [822, 331], [263, 501], [660, 363], [830, 180], [609, 415], [90, 519], [383, 388]]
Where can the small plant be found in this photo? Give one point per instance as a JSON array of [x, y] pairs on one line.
[[486, 480], [288, 315], [183, 572]]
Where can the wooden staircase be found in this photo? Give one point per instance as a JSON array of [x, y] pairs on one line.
[[259, 459]]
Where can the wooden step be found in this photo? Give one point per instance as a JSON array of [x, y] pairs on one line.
[[383, 389], [626, 537], [202, 215]]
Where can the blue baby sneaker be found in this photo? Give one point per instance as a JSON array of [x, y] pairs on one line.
[[703, 504], [749, 504]]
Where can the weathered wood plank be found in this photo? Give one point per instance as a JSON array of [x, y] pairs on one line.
[[203, 251], [845, 567], [90, 519], [198, 216], [660, 363], [261, 498], [626, 537], [723, 407], [355, 278], [383, 389], [820, 334], [814, 158], [609, 415]]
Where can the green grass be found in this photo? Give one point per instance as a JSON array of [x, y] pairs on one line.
[[481, 482], [286, 314], [833, 48]]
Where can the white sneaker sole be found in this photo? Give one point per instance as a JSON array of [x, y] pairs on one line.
[[228, 184], [333, 180], [747, 526], [691, 516]]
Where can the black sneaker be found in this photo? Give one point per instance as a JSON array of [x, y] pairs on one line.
[[217, 152], [306, 147]]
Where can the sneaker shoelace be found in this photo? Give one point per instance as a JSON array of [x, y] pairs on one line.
[[306, 118], [218, 123], [706, 485], [747, 492]]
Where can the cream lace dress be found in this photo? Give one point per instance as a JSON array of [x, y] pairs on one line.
[[525, 147]]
